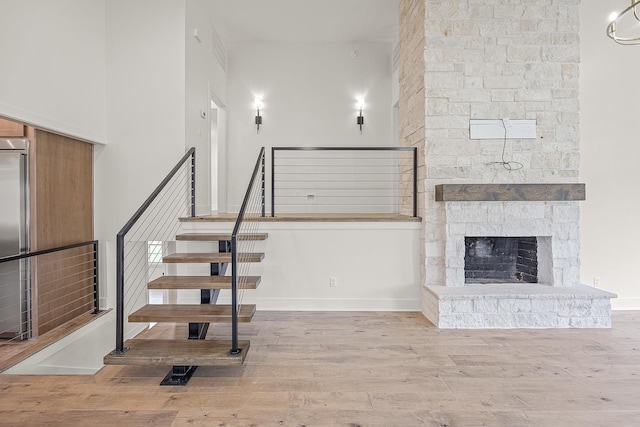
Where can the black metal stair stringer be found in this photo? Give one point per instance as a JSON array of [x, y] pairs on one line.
[[180, 375]]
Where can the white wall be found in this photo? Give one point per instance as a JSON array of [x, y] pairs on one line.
[[53, 65], [145, 63], [203, 76], [376, 265], [609, 93], [309, 93]]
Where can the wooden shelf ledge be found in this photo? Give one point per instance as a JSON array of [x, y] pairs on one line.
[[510, 192]]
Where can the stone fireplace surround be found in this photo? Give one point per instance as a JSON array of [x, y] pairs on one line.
[[558, 300]]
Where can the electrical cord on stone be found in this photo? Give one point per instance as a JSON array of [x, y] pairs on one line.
[[511, 165]]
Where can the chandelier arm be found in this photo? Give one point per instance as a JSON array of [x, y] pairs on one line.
[[611, 28]]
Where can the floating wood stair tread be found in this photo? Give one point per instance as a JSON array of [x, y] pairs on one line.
[[216, 237], [212, 257], [203, 282], [191, 313], [178, 352]]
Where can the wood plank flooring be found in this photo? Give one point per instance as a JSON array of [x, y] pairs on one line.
[[360, 369]]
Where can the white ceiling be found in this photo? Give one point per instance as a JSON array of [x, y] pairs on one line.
[[306, 20]]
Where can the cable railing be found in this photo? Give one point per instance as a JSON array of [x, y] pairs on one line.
[[344, 180], [253, 207], [42, 290], [144, 238]]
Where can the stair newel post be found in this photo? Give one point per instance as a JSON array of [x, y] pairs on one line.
[[120, 294], [273, 182], [193, 184], [96, 279], [234, 296], [415, 181], [262, 183]]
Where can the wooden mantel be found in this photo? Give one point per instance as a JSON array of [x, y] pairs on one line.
[[510, 192]]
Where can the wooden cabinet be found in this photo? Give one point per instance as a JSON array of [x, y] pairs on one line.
[[61, 214], [11, 129]]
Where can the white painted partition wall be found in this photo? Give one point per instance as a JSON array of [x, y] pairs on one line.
[[376, 265]]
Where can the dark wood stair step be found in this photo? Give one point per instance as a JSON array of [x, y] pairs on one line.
[[216, 237], [179, 352], [191, 313], [203, 282], [212, 257]]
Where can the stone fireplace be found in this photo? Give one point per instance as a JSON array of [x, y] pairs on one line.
[[498, 61], [487, 231]]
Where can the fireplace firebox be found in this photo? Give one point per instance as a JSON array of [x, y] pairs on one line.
[[501, 260]]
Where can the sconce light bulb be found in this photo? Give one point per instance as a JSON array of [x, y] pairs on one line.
[[361, 103], [613, 16], [258, 102]]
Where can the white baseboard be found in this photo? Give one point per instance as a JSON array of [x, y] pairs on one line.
[[328, 304]]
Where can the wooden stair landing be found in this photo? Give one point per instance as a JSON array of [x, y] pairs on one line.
[[203, 282], [221, 257], [191, 313], [214, 237], [179, 352]]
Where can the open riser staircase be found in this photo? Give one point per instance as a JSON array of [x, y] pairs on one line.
[[194, 350], [157, 220]]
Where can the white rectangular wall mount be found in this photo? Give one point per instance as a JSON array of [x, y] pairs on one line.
[[495, 129]]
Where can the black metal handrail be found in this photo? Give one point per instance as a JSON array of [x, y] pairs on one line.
[[96, 266], [190, 154], [414, 150], [259, 167]]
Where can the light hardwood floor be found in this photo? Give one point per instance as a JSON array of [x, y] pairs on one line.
[[362, 369]]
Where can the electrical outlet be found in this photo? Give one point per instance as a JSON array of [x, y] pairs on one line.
[[310, 198], [333, 282], [596, 281]]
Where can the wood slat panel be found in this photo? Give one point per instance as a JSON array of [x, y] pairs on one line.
[[216, 237], [191, 313], [212, 257], [203, 282], [179, 352], [65, 286], [61, 197], [510, 192], [62, 182], [11, 129]]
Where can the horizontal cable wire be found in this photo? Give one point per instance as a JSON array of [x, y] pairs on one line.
[[84, 288], [65, 281], [43, 278], [342, 180]]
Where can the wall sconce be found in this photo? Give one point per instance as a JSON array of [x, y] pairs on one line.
[[360, 118], [258, 103]]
